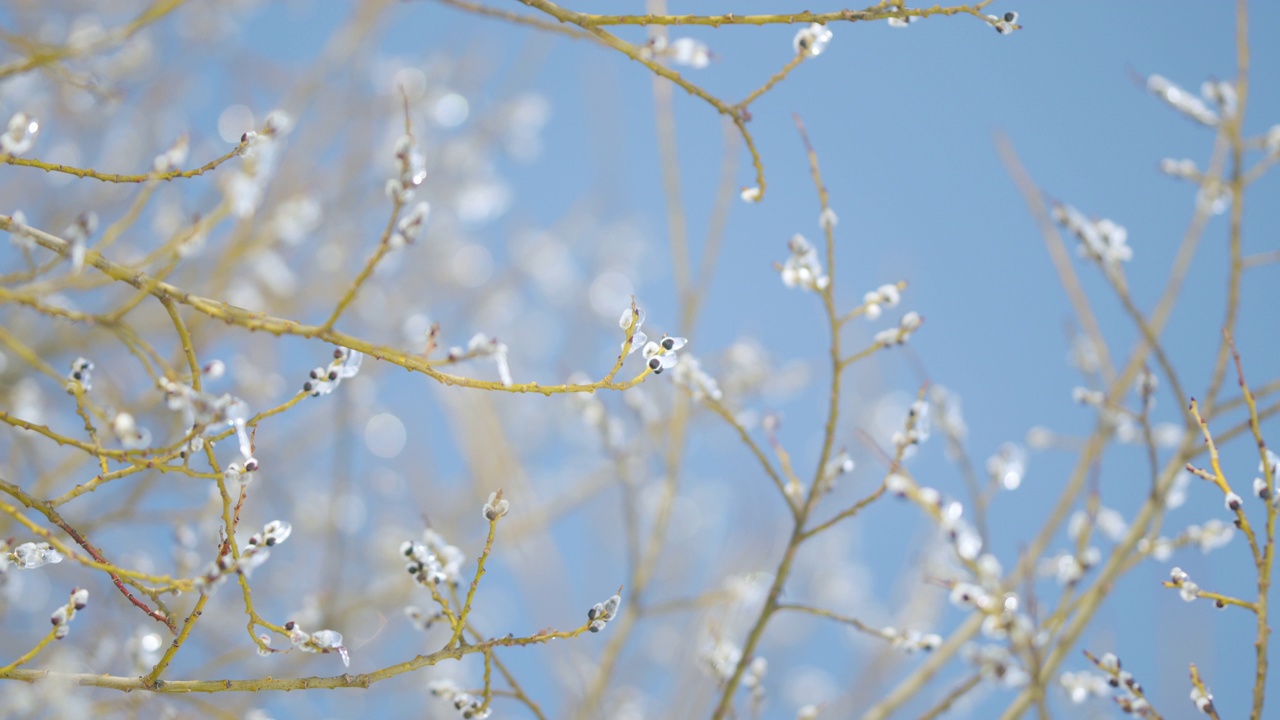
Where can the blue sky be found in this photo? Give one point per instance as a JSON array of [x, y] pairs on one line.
[[905, 123]]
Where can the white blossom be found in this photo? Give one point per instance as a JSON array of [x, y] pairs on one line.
[[1261, 489], [245, 188], [433, 561], [812, 40], [1161, 549], [601, 613], [63, 616], [911, 640], [78, 234], [827, 219], [1187, 589], [1185, 168], [803, 269], [1108, 521], [874, 302], [1232, 501], [689, 52], [689, 375], [1085, 396], [722, 659], [1065, 568], [1008, 466], [1083, 685], [1177, 494], [174, 156], [1181, 100], [244, 192], [1210, 536], [907, 325], [1203, 699], [411, 169], [898, 484], [278, 122], [998, 665], [965, 594], [82, 373], [20, 231], [1102, 240], [20, 135], [126, 430], [496, 506], [296, 218], [410, 226]]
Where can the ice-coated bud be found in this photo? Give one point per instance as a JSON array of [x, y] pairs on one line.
[[276, 532], [326, 638], [630, 317], [31, 555], [1006, 23]]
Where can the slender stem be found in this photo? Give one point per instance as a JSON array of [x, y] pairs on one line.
[[28, 655], [280, 326], [951, 697], [196, 612], [1196, 682], [460, 623], [723, 707], [384, 247], [119, 178], [346, 680]]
